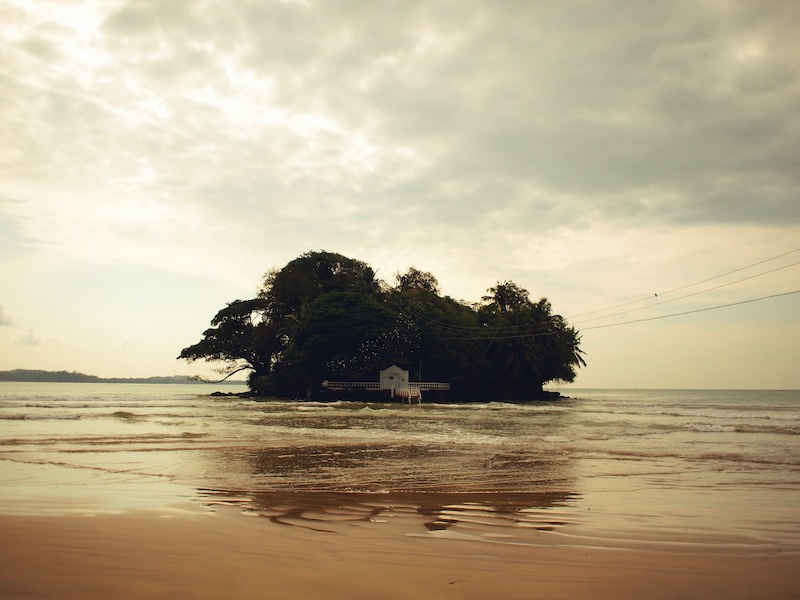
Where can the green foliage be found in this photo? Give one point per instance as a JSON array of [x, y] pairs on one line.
[[240, 338], [311, 275], [416, 280], [329, 337], [447, 352], [325, 316], [506, 297]]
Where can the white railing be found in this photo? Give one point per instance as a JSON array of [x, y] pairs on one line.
[[340, 386], [428, 385]]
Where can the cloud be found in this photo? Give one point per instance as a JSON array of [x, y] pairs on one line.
[[206, 139], [6, 317], [32, 337]]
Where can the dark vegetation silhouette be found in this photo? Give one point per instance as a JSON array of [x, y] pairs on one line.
[[40, 376], [327, 317]]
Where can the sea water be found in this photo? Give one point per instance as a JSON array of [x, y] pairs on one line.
[[612, 468]]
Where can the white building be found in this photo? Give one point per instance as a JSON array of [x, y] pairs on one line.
[[393, 380]]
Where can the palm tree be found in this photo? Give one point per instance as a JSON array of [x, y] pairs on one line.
[[506, 297]]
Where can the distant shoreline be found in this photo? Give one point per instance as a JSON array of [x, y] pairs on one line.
[[40, 376]]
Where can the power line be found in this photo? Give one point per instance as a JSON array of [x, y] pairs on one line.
[[491, 338], [517, 336], [761, 262], [697, 293], [683, 287], [689, 312]]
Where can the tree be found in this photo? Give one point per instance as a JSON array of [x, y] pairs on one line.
[[240, 338], [448, 348], [506, 297], [529, 345], [330, 337], [312, 274], [415, 280]]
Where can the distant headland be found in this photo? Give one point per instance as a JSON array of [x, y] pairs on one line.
[[36, 375]]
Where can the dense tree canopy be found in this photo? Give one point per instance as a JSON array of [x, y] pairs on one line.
[[326, 316]]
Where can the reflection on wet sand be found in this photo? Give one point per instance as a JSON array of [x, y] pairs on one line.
[[475, 491], [487, 515]]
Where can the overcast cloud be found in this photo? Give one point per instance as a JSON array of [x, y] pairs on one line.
[[6, 318], [31, 337], [474, 138]]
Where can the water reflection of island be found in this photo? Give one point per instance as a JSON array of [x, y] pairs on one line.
[[478, 491], [478, 513]]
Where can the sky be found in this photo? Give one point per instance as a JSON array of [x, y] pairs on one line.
[[637, 163]]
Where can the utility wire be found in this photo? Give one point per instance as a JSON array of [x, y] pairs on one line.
[[689, 312], [711, 289], [669, 316], [490, 337], [683, 287]]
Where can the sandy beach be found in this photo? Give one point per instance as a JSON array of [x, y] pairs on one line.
[[230, 555], [126, 493]]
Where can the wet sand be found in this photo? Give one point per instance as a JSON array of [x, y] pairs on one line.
[[629, 496], [228, 554]]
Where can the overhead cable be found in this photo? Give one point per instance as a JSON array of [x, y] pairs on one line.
[[711, 289], [683, 287], [689, 312]]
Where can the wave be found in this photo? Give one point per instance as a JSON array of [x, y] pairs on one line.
[[705, 413], [38, 417], [741, 428], [732, 458]]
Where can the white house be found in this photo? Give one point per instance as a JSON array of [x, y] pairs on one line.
[[394, 378]]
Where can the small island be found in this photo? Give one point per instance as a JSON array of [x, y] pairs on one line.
[[326, 318]]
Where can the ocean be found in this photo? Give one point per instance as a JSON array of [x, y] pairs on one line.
[[691, 470]]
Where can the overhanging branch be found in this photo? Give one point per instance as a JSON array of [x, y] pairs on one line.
[[204, 380]]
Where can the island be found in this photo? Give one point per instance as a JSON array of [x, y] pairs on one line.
[[325, 317]]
